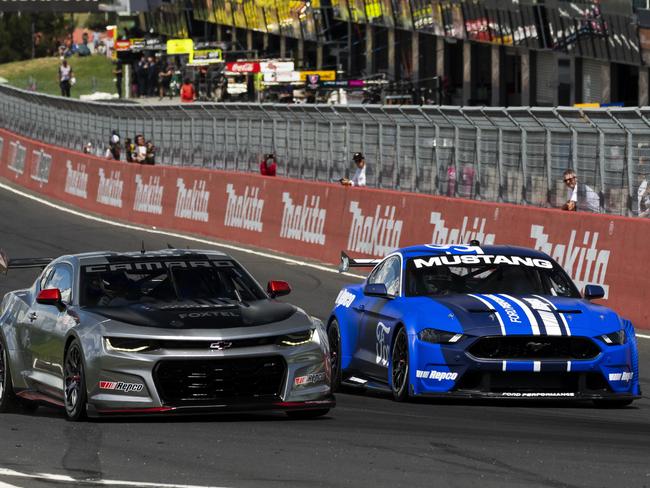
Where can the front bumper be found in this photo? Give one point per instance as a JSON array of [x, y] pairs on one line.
[[449, 370]]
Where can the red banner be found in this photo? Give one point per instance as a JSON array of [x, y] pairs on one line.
[[318, 220], [243, 67]]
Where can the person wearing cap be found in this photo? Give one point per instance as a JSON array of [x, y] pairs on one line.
[[359, 177]]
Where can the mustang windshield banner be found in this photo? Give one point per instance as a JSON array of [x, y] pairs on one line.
[[319, 220]]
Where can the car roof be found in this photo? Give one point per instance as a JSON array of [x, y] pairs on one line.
[[455, 249]]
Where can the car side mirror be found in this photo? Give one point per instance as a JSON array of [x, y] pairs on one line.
[[593, 292], [278, 288], [51, 296], [376, 290]]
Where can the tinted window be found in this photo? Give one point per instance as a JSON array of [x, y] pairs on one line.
[[388, 273], [514, 275], [61, 279], [121, 284]]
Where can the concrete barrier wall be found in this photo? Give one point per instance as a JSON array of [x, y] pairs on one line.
[[318, 220]]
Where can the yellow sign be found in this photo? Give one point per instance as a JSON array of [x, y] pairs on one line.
[[587, 105], [180, 46], [206, 56], [324, 75]]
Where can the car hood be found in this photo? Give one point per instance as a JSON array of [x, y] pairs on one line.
[[499, 314], [198, 315]]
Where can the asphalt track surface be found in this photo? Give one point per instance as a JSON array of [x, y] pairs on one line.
[[366, 441]]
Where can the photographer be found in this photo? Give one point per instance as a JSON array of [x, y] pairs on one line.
[[266, 168]]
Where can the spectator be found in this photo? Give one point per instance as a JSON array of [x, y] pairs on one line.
[[187, 91], [114, 147], [129, 149], [150, 156], [643, 193], [267, 169], [359, 178], [119, 76], [140, 149], [65, 78], [451, 179], [164, 79], [580, 197], [152, 75], [88, 148], [141, 75]]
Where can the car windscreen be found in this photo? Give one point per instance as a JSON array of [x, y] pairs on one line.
[[123, 283], [458, 274]]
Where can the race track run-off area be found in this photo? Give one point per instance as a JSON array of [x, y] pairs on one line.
[[366, 440]]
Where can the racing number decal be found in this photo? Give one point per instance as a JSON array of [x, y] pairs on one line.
[[382, 348]]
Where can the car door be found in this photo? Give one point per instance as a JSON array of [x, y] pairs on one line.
[[379, 320], [46, 331]]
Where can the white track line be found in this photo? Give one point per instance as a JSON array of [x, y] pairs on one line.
[[175, 234], [60, 478], [186, 237], [7, 485]]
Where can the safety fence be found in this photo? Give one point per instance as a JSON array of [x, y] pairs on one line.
[[514, 155], [318, 220]]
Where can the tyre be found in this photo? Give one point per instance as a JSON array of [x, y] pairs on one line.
[[308, 414], [612, 403], [400, 367], [74, 383], [334, 338], [8, 401]]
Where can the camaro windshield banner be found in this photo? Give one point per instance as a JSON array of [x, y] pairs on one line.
[[319, 220]]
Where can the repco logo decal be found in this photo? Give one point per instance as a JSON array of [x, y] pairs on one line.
[[580, 256], [120, 386], [377, 235]]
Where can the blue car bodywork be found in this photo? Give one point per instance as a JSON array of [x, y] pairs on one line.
[[500, 339]]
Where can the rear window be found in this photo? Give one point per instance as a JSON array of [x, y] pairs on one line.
[[460, 274], [123, 283]]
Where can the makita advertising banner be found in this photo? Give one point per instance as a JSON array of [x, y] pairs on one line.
[[318, 220]]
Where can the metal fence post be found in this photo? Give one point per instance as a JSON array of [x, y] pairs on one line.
[[416, 153], [549, 167], [380, 158], [524, 165], [500, 164], [630, 171]]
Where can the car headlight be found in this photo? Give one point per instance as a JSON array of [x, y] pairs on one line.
[[296, 338], [439, 336], [128, 344], [614, 339]]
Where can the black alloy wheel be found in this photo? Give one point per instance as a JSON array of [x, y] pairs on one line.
[[400, 366], [334, 339], [75, 395], [7, 397]]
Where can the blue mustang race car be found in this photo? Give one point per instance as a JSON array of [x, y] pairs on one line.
[[479, 322]]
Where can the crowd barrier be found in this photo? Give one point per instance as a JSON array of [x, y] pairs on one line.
[[318, 220]]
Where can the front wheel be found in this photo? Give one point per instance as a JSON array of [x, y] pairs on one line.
[[8, 401], [334, 339], [75, 395], [307, 414], [400, 367]]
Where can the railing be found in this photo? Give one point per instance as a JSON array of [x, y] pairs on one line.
[[512, 155]]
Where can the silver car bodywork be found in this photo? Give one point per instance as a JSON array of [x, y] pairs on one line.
[[243, 366]]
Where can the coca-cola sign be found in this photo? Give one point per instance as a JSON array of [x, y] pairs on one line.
[[243, 67]]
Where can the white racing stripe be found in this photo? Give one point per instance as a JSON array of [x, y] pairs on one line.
[[490, 307], [175, 234], [527, 310], [537, 366], [61, 478], [564, 322]]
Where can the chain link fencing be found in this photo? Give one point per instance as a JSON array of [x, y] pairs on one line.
[[515, 155]]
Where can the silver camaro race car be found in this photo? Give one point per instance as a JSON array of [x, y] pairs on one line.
[[172, 331]]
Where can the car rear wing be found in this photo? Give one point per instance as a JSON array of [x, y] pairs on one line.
[[347, 262], [22, 263]]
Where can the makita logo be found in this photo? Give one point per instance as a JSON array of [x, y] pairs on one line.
[[76, 179], [109, 191], [304, 222], [244, 211], [465, 233], [192, 203], [376, 235], [41, 165], [148, 196], [585, 263], [17, 153]]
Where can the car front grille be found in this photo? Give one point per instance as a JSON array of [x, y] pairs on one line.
[[519, 381], [534, 348], [220, 381]]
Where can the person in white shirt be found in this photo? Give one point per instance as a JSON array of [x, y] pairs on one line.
[[580, 197], [65, 78], [359, 177]]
